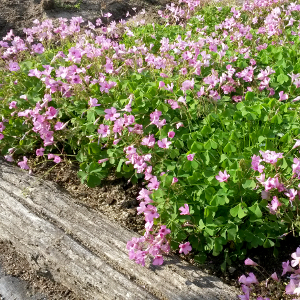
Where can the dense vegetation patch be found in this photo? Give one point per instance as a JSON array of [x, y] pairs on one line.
[[202, 107]]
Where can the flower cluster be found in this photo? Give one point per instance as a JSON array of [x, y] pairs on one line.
[[292, 288], [273, 185]]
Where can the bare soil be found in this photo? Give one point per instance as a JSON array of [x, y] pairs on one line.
[[36, 283]]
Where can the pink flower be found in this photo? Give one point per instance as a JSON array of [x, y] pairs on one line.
[[222, 176], [59, 126], [101, 161], [237, 98], [185, 210], [270, 156], [150, 213], [23, 97], [185, 248], [13, 67], [182, 100], [93, 102], [190, 157], [161, 84], [274, 276], [178, 125], [164, 230], [248, 280], [154, 184], [250, 262], [164, 143], [158, 260], [109, 67], [148, 226], [188, 84], [38, 48], [296, 258], [23, 164], [57, 159], [103, 130], [245, 290], [283, 96], [111, 114], [144, 195], [290, 288], [107, 15], [12, 104], [171, 134], [51, 113], [169, 87], [173, 103], [174, 180], [2, 127], [297, 144], [292, 193], [148, 141], [274, 205], [286, 268], [40, 152]]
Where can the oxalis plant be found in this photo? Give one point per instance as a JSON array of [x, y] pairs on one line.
[[200, 106]]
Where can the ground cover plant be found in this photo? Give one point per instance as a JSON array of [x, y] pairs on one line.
[[201, 106]]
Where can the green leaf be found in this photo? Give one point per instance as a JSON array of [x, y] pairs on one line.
[[255, 210], [200, 258], [231, 233], [207, 145], [94, 148], [214, 145], [268, 243], [229, 148], [91, 116], [196, 147], [249, 184], [223, 157], [206, 130], [209, 193], [93, 180], [219, 242], [238, 211], [210, 211], [174, 153], [82, 175], [281, 78], [119, 167], [242, 212], [249, 96], [234, 211], [277, 119]]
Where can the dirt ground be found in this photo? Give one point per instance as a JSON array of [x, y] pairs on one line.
[[32, 284]]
